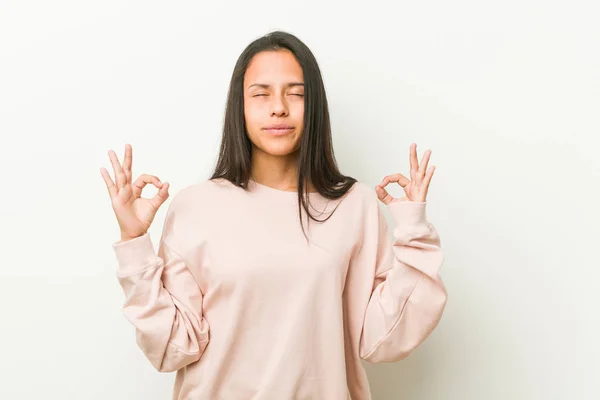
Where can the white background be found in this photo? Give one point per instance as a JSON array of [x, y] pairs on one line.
[[505, 93]]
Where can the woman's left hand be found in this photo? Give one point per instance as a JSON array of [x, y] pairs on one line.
[[416, 188]]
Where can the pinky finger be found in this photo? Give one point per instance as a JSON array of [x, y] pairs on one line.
[[428, 176], [110, 185]]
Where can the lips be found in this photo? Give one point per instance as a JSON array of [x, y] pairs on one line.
[[279, 129]]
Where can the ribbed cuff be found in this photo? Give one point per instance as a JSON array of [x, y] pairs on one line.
[[409, 212], [134, 255]]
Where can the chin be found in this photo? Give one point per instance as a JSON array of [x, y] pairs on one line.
[[278, 149]]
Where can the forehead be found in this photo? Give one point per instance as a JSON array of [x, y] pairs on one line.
[[273, 66]]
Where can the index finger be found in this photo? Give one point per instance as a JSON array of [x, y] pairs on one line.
[[398, 178], [141, 182]]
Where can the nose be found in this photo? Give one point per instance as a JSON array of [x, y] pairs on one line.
[[279, 107]]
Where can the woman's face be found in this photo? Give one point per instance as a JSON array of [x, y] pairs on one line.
[[274, 102]]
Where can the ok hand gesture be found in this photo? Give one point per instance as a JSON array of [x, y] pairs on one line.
[[134, 213], [416, 188]]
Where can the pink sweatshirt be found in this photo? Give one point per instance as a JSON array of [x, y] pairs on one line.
[[242, 307]]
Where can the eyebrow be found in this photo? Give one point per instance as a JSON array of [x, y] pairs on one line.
[[265, 86]]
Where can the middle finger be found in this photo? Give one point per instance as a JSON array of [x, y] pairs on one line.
[[127, 162], [414, 163]]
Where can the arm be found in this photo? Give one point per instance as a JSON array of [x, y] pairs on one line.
[[408, 296], [162, 299]]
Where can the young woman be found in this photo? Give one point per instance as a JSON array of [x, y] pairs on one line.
[[276, 276]]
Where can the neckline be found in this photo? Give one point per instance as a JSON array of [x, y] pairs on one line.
[[263, 187]]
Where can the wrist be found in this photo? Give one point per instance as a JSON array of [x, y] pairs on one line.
[[126, 238]]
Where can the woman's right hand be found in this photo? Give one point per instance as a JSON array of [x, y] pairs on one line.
[[134, 213]]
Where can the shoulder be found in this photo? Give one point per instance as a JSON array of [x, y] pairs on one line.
[[363, 190], [362, 194], [201, 194], [358, 204]]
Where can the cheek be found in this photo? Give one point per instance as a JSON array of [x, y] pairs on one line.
[[252, 115], [297, 111]]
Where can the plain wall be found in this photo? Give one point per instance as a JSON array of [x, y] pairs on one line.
[[506, 94]]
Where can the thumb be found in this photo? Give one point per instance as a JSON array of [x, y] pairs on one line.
[[383, 195], [161, 196]]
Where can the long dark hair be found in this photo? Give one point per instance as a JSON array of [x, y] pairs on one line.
[[317, 162]]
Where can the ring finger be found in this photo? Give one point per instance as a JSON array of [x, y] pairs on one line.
[[423, 164], [119, 174]]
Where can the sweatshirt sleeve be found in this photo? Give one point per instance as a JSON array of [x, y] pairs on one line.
[[162, 298], [408, 296]]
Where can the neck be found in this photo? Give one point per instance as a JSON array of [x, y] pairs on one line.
[[278, 172]]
